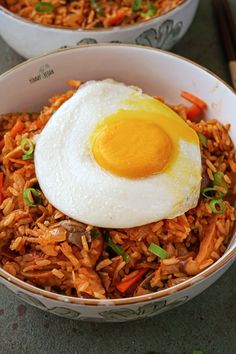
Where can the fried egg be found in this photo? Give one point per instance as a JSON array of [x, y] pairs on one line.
[[112, 156]]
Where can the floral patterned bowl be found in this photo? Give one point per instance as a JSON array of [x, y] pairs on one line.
[[31, 39], [29, 85]]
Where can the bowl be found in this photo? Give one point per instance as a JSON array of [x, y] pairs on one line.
[[30, 39], [29, 85]]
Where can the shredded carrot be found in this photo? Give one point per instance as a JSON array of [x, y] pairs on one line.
[[38, 123], [194, 99], [1, 144], [116, 19], [1, 184], [20, 162], [17, 128], [193, 112], [24, 168], [126, 284]]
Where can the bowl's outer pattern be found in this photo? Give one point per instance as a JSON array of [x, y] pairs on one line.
[[119, 315], [165, 37], [147, 310], [60, 311]]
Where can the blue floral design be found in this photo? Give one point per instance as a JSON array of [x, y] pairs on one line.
[[143, 311], [166, 36], [118, 315], [87, 41]]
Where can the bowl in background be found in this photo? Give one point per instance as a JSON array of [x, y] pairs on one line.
[[30, 39], [28, 86]]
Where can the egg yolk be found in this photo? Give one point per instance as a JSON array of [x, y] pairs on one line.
[[140, 143], [132, 147]]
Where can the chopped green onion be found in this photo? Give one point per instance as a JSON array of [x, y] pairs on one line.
[[206, 194], [152, 10], [97, 7], [28, 157], [118, 250], [136, 5], [31, 197], [203, 140], [158, 251], [27, 146], [219, 204], [197, 352], [219, 180], [43, 6]]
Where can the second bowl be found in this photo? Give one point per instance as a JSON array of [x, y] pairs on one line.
[[30, 39]]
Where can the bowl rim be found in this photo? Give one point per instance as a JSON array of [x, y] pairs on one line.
[[219, 264], [97, 30]]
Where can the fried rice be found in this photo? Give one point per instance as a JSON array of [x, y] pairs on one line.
[[87, 14], [43, 247]]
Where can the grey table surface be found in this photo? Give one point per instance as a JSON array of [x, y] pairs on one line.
[[207, 323]]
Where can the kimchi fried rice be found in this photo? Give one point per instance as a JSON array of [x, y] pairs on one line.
[[87, 14], [45, 248]]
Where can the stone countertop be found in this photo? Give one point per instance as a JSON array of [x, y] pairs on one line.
[[207, 323]]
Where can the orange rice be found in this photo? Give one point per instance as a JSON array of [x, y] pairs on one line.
[[44, 247], [88, 14]]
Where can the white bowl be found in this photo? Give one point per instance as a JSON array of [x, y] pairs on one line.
[[29, 85], [31, 39]]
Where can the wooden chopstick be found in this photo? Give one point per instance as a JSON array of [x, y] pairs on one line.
[[231, 20], [228, 34]]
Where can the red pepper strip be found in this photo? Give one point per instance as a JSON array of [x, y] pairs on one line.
[[17, 128], [193, 112], [116, 19], [1, 184], [194, 99], [123, 286], [2, 144], [19, 162]]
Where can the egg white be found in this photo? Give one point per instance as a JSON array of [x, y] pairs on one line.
[[76, 185]]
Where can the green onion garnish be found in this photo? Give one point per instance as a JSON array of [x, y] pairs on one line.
[[217, 206], [97, 7], [219, 180], [27, 146], [158, 251], [43, 6], [31, 197], [118, 250], [203, 140], [28, 157], [136, 5], [197, 352], [152, 10], [207, 193]]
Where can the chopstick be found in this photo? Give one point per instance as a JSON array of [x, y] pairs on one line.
[[228, 34], [232, 24]]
